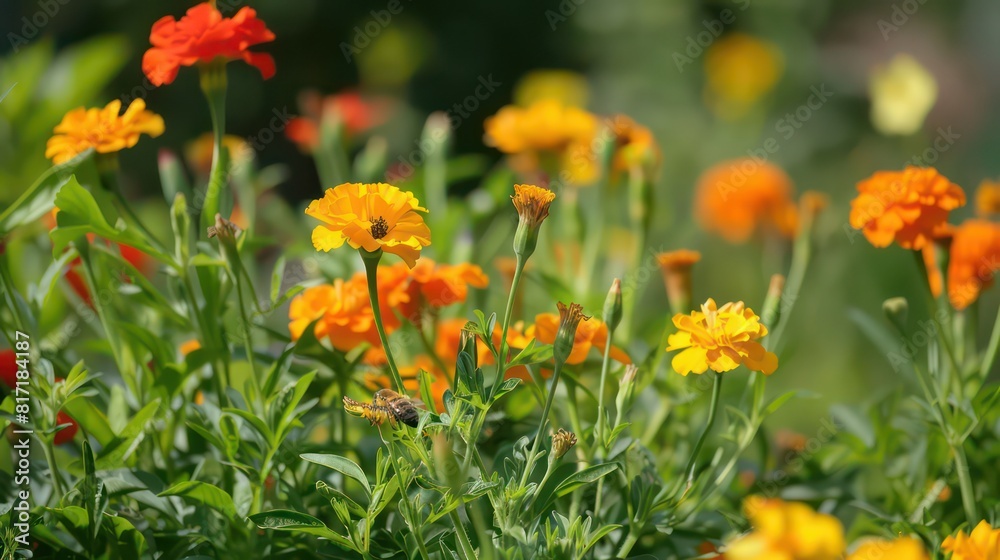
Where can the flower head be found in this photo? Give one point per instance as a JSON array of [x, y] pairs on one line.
[[589, 333], [342, 313], [982, 544], [975, 252], [791, 531], [720, 338], [202, 35], [635, 145], [676, 268], [902, 94], [740, 69], [903, 548], [370, 217], [739, 197], [909, 207], [102, 129], [439, 285], [357, 113], [532, 205], [562, 442], [988, 198]]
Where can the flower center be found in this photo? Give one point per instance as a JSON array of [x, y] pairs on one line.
[[380, 228]]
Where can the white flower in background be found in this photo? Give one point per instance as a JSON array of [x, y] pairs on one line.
[[902, 93]]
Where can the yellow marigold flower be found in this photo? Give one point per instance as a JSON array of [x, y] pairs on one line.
[[975, 252], [198, 152], [102, 129], [909, 207], [903, 548], [676, 268], [740, 69], [988, 198], [982, 544], [902, 93], [790, 531], [739, 197], [720, 338], [564, 86], [370, 217]]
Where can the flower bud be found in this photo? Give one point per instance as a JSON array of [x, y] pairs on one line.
[[896, 310], [569, 318], [676, 268], [771, 311], [532, 205], [613, 306], [626, 387], [467, 344], [562, 442]]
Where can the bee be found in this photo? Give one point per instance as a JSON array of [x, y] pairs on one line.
[[386, 406]]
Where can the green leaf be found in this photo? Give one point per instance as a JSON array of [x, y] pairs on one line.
[[777, 402], [343, 465], [205, 494], [534, 353], [584, 477], [287, 520], [254, 421], [36, 201], [288, 399], [121, 448]]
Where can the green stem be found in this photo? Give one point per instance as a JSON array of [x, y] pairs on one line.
[[505, 326], [429, 348], [405, 501], [965, 484], [464, 546], [712, 411], [605, 366], [991, 350], [630, 540], [50, 457], [213, 84], [248, 337], [533, 454], [371, 271]]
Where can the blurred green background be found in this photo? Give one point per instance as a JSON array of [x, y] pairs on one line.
[[644, 58]]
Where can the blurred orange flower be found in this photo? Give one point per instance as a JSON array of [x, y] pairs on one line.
[[975, 257], [370, 216], [982, 544], [635, 145], [791, 531], [102, 129], [356, 113], [736, 198], [720, 338], [203, 35], [988, 198], [589, 334], [909, 207], [449, 339], [547, 129]]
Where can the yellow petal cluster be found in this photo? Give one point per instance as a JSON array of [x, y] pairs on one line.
[[788, 531], [720, 338], [982, 544], [102, 129]]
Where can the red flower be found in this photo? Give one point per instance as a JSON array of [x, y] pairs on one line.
[[8, 368], [66, 434], [203, 35], [356, 112]]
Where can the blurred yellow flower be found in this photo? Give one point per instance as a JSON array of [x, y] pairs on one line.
[[370, 217], [102, 129], [988, 198], [740, 69], [545, 130], [189, 346], [982, 544], [787, 531], [198, 152], [902, 93], [909, 207], [565, 86], [720, 338], [903, 548]]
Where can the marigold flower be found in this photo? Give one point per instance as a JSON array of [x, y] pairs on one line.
[[343, 310], [532, 205], [909, 207], [740, 69], [448, 342], [738, 197], [589, 334], [982, 544], [676, 269], [102, 129], [903, 548], [198, 152], [635, 145], [189, 346], [988, 198], [720, 338], [357, 113], [902, 93], [440, 285], [791, 531], [202, 35], [370, 217], [975, 252]]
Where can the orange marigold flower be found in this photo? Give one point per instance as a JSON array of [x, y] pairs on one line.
[[635, 145], [102, 129], [982, 544], [589, 334], [343, 312], [908, 207], [370, 217], [738, 197], [189, 346], [202, 35], [903, 548], [787, 530], [720, 338], [357, 113], [440, 285], [975, 252], [448, 342], [988, 198]]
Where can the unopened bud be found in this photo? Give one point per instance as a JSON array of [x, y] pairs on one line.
[[613, 306], [532, 205], [896, 310], [562, 442]]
